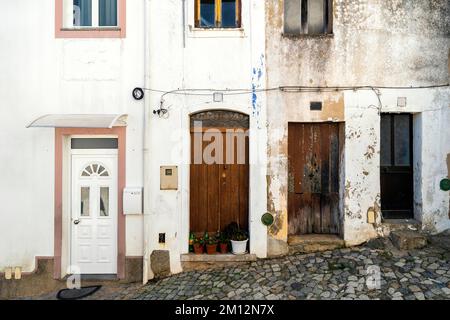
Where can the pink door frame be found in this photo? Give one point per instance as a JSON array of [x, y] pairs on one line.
[[60, 133]]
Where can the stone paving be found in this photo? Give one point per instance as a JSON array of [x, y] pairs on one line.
[[340, 274]]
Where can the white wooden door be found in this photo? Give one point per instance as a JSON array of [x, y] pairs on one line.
[[94, 212]]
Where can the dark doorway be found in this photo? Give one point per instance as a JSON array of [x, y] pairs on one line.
[[219, 170], [313, 181], [396, 166]]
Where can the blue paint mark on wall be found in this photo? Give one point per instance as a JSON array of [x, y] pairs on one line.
[[257, 74]]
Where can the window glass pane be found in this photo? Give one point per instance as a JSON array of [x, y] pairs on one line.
[[104, 174], [385, 152], [316, 16], [292, 16], [85, 201], [401, 140], [207, 13], [228, 13], [94, 143], [82, 13], [104, 202], [107, 13]]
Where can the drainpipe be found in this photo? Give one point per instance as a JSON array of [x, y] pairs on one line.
[[147, 271]]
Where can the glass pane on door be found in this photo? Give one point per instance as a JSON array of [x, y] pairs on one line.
[[104, 201], [385, 152], [85, 196], [402, 140]]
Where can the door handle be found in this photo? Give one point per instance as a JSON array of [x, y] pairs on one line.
[[76, 221]]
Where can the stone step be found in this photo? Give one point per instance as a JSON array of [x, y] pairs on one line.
[[408, 239], [391, 225], [229, 257], [196, 262], [314, 243]]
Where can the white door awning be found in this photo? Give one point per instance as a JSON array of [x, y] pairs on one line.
[[79, 121]]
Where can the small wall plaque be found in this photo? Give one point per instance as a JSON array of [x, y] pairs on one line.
[[169, 178], [315, 106]]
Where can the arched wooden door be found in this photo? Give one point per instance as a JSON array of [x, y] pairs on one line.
[[219, 170]]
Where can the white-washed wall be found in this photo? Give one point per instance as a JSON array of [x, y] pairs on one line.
[[41, 75], [216, 59]]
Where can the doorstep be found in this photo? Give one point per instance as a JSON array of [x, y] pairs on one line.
[[391, 225], [191, 257], [309, 243]]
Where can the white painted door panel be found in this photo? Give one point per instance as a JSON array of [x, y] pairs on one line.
[[94, 214]]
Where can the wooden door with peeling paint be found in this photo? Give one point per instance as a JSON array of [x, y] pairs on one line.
[[313, 180]]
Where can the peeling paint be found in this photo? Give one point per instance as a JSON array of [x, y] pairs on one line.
[[379, 42]]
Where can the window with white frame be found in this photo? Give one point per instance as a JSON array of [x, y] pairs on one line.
[[90, 13]]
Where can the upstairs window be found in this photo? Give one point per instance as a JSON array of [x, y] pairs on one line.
[[308, 17], [218, 13], [94, 13], [90, 18]]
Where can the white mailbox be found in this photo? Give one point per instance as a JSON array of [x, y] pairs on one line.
[[132, 201]]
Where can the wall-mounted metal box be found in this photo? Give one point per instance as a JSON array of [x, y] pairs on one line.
[[132, 201], [169, 178]]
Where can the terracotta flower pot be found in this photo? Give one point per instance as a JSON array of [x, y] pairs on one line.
[[211, 248], [224, 248], [198, 248]]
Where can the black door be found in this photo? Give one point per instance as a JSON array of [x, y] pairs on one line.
[[396, 166]]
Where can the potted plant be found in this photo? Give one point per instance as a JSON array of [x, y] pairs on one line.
[[238, 237], [198, 245], [211, 246], [223, 243]]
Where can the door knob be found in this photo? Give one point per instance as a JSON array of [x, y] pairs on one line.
[[76, 221]]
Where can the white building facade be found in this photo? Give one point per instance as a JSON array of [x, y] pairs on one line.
[[82, 140], [80, 70], [99, 178]]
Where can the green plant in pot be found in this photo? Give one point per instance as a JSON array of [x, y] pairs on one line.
[[223, 242], [199, 244], [211, 245], [239, 238]]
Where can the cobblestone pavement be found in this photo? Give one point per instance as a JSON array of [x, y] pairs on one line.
[[339, 274]]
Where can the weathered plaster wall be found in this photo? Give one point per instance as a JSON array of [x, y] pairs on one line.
[[41, 75], [379, 43], [216, 59]]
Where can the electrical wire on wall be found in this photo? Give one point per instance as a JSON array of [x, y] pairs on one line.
[[162, 110]]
